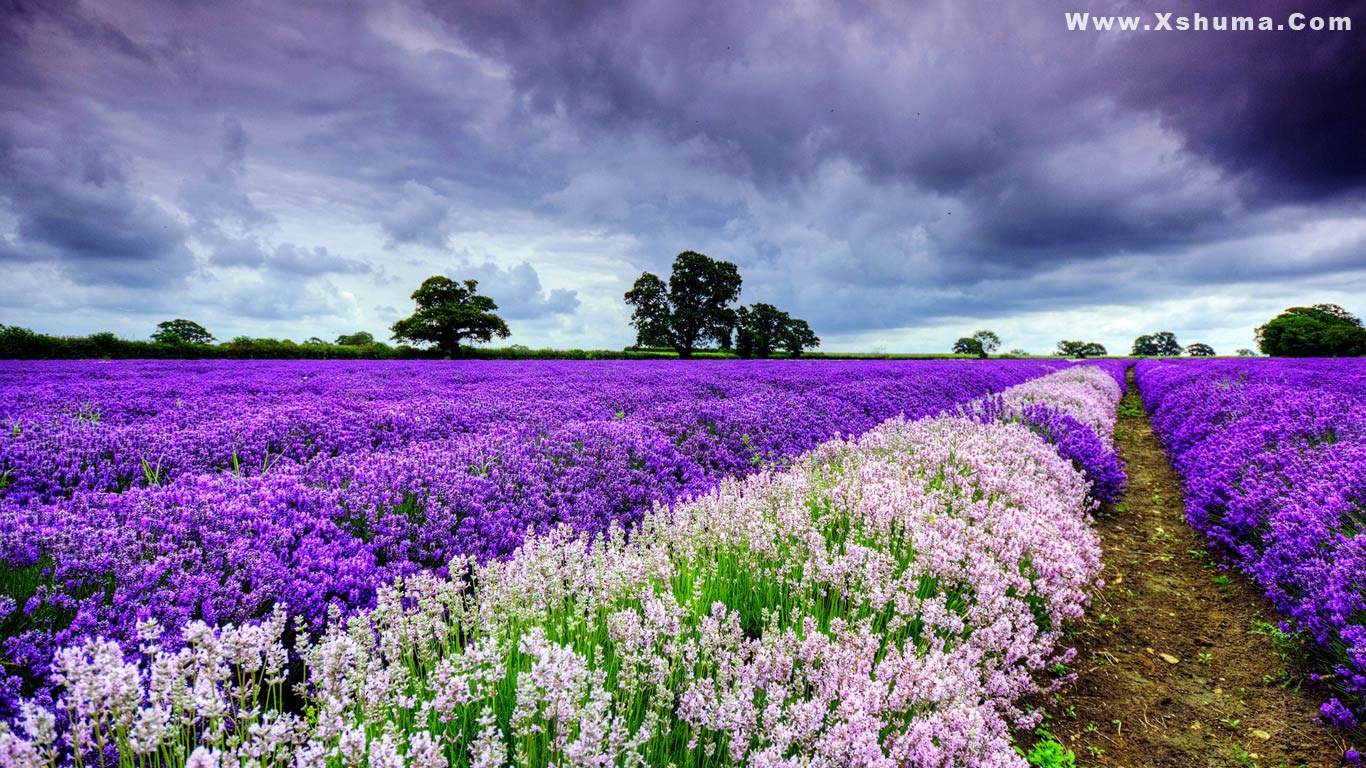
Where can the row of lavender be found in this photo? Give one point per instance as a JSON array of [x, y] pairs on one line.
[[216, 491], [1272, 455], [885, 601]]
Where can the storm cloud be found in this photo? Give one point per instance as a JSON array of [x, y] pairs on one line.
[[897, 174]]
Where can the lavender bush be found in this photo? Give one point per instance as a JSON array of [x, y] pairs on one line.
[[215, 491], [1271, 455], [884, 601]]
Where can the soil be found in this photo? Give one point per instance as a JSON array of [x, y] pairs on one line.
[[1169, 670]]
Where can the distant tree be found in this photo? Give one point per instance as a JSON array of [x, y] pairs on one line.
[[652, 316], [314, 341], [1200, 350], [1017, 352], [1160, 344], [759, 329], [762, 329], [1080, 349], [969, 346], [180, 331], [695, 306], [449, 312], [357, 339], [104, 342], [989, 340], [243, 341], [1323, 330], [19, 342], [1245, 353], [798, 337]]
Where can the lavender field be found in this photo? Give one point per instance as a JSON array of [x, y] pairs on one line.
[[1272, 454], [542, 563]]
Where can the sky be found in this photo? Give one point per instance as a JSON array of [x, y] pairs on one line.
[[899, 174]]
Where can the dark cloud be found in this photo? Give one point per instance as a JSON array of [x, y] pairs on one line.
[[518, 293], [217, 200], [73, 206], [1282, 107], [868, 166], [420, 216], [285, 260]]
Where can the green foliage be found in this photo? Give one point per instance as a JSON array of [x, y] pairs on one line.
[[449, 312], [652, 316], [763, 328], [693, 309], [357, 339], [969, 346], [1323, 330], [797, 337], [16, 342], [989, 340], [1048, 753], [1160, 344], [1080, 349], [181, 331], [1200, 350], [1245, 353], [1131, 405]]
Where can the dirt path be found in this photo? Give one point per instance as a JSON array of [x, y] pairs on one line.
[[1170, 672]]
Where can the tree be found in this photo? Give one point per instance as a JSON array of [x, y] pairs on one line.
[[181, 331], [449, 312], [1080, 349], [693, 309], [1323, 330], [1200, 350], [969, 346], [989, 340], [798, 337], [760, 329], [652, 316], [314, 341], [357, 339], [1160, 344], [1245, 353], [1017, 352]]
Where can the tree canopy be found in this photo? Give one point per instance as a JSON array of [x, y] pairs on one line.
[[1080, 349], [989, 340], [1160, 344], [1200, 350], [969, 346], [181, 331], [761, 329], [694, 308], [357, 339], [1323, 330], [449, 312]]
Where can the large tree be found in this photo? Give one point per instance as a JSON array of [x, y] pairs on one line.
[[357, 339], [798, 337], [1200, 350], [695, 308], [969, 346], [652, 316], [448, 312], [1160, 344], [180, 331], [989, 340], [1080, 349], [1323, 330], [760, 329]]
